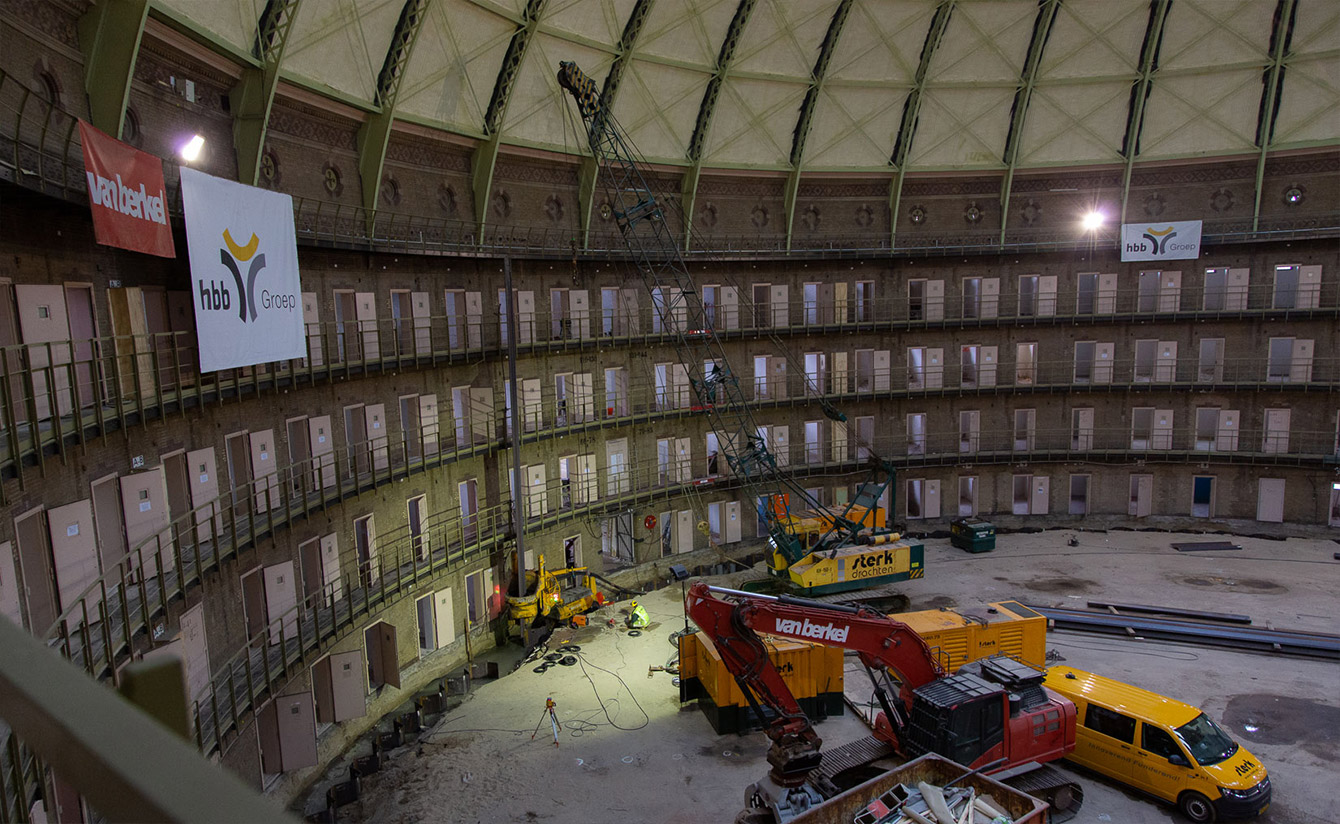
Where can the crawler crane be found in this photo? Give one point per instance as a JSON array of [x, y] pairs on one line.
[[993, 714], [817, 549]]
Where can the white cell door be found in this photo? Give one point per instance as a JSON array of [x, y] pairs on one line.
[[444, 617], [1041, 495]]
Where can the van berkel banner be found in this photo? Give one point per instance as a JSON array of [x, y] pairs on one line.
[[244, 272], [126, 194]]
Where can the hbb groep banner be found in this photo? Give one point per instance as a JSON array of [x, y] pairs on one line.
[[244, 272], [126, 195], [1179, 240]]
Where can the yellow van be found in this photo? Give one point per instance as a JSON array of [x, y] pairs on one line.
[[1162, 747]]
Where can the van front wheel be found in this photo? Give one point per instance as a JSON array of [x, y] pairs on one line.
[[1196, 807]]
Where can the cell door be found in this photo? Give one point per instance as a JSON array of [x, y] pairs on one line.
[[865, 437], [684, 530], [1105, 301], [732, 522], [264, 470], [9, 586], [481, 413], [365, 309], [347, 347], [883, 370], [935, 300], [356, 440], [1210, 366], [474, 319], [630, 321], [561, 385], [986, 373], [281, 602], [408, 446], [313, 577], [525, 314], [616, 456], [338, 687], [365, 549], [253, 604], [455, 302], [1081, 438], [1226, 435], [560, 324], [145, 513], [1276, 439], [935, 369], [579, 308], [417, 511], [422, 310], [781, 307], [781, 444], [1333, 519], [428, 424], [311, 319], [1202, 496], [109, 521], [444, 617], [1163, 429], [1165, 364], [532, 406], [39, 593], [322, 448], [969, 431], [466, 494], [330, 566], [583, 398], [1040, 501], [299, 456], [178, 487], [537, 497], [84, 344], [932, 502], [44, 324], [1270, 500], [1104, 356], [1142, 496]]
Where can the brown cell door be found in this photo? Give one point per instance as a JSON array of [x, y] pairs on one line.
[[466, 490], [338, 687], [299, 457], [474, 319], [74, 551], [356, 439], [181, 320], [295, 730], [46, 333], [1270, 500], [321, 446], [68, 807], [1276, 439], [330, 566], [1142, 495], [253, 603], [159, 328], [409, 429], [110, 522], [144, 509], [9, 585], [83, 343], [178, 485], [313, 580], [375, 425], [386, 636], [39, 594], [365, 547], [418, 511], [236, 452]]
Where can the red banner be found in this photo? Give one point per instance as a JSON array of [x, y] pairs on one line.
[[126, 194]]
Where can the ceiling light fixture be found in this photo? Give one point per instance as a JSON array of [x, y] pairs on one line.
[[1092, 220]]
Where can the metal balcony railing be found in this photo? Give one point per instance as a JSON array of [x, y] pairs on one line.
[[40, 149]]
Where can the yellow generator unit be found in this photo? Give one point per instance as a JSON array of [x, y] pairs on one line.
[[1008, 628], [812, 672]]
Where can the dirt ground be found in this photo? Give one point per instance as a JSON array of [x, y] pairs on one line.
[[628, 752]]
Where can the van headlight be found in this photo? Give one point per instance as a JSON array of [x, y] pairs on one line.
[[1249, 794]]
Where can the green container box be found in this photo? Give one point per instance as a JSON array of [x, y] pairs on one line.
[[972, 534]]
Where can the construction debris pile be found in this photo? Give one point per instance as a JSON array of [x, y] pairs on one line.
[[929, 804]]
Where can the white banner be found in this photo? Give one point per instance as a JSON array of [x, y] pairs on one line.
[[244, 272], [1179, 240]]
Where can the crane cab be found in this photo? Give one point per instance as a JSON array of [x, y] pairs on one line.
[[991, 709]]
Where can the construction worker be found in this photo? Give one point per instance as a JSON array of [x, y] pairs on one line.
[[637, 616]]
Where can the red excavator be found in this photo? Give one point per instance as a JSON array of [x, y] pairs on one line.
[[993, 715]]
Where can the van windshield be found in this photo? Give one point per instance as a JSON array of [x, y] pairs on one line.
[[1207, 742]]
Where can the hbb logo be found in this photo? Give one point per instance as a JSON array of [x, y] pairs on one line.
[[214, 295]]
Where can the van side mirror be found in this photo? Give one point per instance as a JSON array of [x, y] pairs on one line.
[[1178, 760]]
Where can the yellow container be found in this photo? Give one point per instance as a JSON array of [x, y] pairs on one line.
[[1012, 629]]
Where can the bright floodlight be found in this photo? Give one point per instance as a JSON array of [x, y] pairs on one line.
[[191, 150], [1093, 220]]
